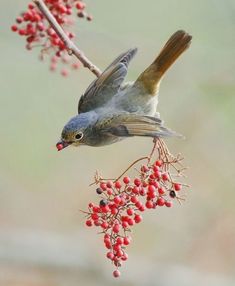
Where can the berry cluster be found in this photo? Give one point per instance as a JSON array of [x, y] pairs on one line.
[[32, 25], [122, 201]]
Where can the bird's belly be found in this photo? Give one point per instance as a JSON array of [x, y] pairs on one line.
[[102, 140]]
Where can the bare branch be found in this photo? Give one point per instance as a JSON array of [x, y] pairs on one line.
[[71, 47]]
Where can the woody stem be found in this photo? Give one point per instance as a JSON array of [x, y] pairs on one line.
[[70, 46]]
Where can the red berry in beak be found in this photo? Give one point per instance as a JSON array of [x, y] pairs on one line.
[[59, 146]]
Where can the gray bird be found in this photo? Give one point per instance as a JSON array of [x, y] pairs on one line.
[[111, 110]]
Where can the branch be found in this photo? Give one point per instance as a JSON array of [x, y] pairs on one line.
[[71, 47]]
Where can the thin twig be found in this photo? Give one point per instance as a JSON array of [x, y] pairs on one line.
[[71, 47], [136, 161]]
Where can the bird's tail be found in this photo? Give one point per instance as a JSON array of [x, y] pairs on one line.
[[174, 47]]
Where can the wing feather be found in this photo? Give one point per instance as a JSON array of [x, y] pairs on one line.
[[107, 85]]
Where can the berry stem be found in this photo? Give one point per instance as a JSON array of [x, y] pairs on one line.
[[135, 162], [71, 47]]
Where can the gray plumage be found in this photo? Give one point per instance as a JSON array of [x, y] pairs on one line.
[[111, 110]]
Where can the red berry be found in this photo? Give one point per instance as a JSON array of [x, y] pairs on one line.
[[161, 191], [89, 223], [117, 200], [126, 240], [22, 32], [124, 256], [119, 240], [31, 6], [138, 218], [94, 216], [168, 204], [64, 72], [116, 273], [142, 192], [59, 146], [135, 190], [110, 255], [138, 204], [109, 192], [134, 200], [144, 169], [118, 185], [95, 209], [165, 177], [158, 163], [80, 5], [137, 182], [104, 225], [131, 221], [19, 20], [141, 208], [14, 28], [160, 202], [109, 184], [130, 211], [116, 228], [126, 180], [103, 186], [149, 204], [177, 187], [114, 211], [151, 189], [125, 224]]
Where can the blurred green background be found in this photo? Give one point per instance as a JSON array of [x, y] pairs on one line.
[[43, 240]]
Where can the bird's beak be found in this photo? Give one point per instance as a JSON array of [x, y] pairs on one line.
[[61, 145]]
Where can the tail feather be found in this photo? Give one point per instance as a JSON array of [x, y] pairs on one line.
[[175, 46]]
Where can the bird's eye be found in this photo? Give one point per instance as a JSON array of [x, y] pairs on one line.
[[79, 136]]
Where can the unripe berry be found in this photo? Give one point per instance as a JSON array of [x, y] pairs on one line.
[[103, 203], [172, 194], [99, 191]]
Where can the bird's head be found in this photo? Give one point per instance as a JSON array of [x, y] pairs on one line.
[[75, 131]]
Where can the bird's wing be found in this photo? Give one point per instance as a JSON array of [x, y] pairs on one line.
[[127, 125], [107, 85]]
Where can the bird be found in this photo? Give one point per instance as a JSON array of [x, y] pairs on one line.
[[111, 110]]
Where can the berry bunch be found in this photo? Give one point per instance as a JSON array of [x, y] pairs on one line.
[[122, 201], [33, 25]]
